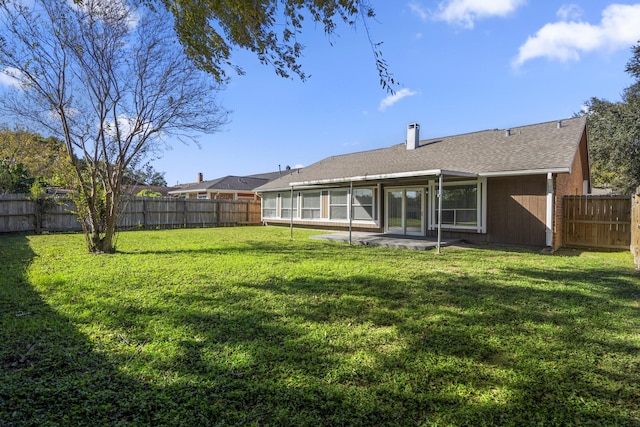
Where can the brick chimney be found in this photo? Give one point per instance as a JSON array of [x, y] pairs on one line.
[[200, 177]]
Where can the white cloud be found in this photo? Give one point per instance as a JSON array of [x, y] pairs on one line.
[[569, 12], [419, 10], [10, 77], [126, 125], [567, 39], [466, 12], [392, 99]]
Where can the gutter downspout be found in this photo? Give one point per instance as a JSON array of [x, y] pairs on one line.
[[350, 209], [549, 216], [440, 179]]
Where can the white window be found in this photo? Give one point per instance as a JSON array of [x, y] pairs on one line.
[[285, 205], [363, 204], [464, 205], [338, 204], [310, 204], [269, 205], [460, 205]]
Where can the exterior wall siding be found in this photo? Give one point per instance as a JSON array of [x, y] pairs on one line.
[[516, 210], [569, 185]]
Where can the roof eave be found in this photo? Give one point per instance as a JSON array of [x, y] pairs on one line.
[[524, 172], [377, 177]]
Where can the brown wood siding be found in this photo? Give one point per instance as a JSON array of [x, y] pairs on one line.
[[324, 205], [569, 185], [516, 210]]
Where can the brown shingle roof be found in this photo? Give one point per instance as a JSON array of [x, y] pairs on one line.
[[540, 147]]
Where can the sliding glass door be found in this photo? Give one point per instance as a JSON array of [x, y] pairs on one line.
[[405, 211], [395, 223]]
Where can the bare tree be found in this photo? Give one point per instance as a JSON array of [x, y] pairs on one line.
[[112, 82]]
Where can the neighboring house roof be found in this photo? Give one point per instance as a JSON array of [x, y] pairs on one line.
[[230, 183], [227, 183], [539, 148]]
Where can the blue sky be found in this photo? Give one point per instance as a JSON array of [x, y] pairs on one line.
[[463, 66]]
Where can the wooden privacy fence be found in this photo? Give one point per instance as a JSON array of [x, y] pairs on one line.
[[597, 222], [20, 214]]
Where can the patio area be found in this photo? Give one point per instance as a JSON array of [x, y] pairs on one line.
[[387, 240]]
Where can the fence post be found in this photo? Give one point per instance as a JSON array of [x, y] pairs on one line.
[[184, 213], [635, 228], [144, 213], [39, 214]]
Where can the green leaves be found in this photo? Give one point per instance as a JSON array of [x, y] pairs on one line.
[[614, 136], [211, 30], [14, 177]]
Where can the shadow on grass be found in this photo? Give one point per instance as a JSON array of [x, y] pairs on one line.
[[51, 373], [440, 348]]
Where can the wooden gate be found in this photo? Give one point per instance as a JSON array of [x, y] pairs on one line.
[[597, 222]]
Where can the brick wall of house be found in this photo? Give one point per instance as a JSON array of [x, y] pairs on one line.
[[569, 184]]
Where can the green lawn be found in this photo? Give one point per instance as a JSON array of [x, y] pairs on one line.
[[243, 326]]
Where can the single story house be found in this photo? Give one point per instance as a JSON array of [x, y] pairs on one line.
[[229, 187], [496, 186]]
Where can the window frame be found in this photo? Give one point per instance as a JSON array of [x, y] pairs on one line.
[[310, 195], [268, 197], [285, 204], [344, 205], [481, 205], [356, 203]]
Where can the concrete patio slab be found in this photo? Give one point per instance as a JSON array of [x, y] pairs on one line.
[[386, 240]]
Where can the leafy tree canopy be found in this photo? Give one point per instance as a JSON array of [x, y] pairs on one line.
[[148, 193], [44, 158], [210, 30], [146, 175], [614, 135], [14, 177]]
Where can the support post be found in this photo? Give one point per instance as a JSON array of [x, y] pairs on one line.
[[440, 182], [549, 216], [291, 216], [350, 209]]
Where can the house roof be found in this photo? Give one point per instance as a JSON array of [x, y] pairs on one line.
[[230, 183], [226, 183], [538, 148]]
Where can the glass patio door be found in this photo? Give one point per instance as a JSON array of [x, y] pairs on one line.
[[405, 211], [395, 223], [413, 212]]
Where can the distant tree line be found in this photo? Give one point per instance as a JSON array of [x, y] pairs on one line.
[[30, 162]]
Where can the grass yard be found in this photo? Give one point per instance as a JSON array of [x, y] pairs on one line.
[[243, 326]]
